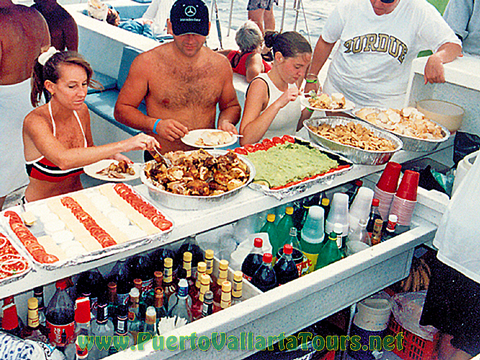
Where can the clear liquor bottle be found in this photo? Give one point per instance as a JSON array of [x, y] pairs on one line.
[[135, 325], [150, 325], [180, 304], [102, 327]]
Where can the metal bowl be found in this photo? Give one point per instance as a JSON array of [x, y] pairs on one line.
[[185, 202], [412, 143], [357, 155]]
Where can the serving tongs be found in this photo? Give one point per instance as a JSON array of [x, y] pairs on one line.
[[159, 158]]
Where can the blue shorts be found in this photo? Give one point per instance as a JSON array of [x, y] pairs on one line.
[[260, 4]]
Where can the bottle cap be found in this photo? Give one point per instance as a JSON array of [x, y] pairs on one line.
[[112, 286], [61, 284], [38, 291], [134, 293], [10, 317], [137, 283], [201, 267], [325, 201], [313, 227], [158, 291], [333, 236], [267, 258], [187, 256], [223, 265], [33, 303], [358, 182], [151, 311], [237, 275], [183, 288], [289, 210], [158, 274], [82, 310], [257, 242], [209, 295], [287, 249], [392, 218], [205, 279], [209, 254], [375, 202], [226, 286], [271, 217], [168, 262]]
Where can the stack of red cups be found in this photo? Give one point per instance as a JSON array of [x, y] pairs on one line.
[[406, 197], [386, 187]]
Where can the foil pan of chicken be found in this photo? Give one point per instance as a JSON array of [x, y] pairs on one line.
[[197, 180]]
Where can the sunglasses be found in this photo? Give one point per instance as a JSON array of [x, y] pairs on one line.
[[387, 1]]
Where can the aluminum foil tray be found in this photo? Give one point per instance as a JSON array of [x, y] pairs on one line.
[[4, 260], [412, 143], [185, 202], [300, 186], [357, 155], [47, 221]]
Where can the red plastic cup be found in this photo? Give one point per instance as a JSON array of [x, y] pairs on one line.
[[389, 180], [408, 186]]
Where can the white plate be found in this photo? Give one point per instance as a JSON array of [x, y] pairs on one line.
[[348, 106], [194, 135], [91, 170]]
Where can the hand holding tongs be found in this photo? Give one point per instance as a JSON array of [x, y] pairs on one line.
[[159, 157]]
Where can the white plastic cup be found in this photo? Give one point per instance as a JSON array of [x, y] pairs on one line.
[[373, 314], [338, 213], [360, 208]]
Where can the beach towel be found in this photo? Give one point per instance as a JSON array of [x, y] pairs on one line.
[[14, 106]]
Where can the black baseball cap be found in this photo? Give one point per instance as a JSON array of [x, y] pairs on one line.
[[189, 17]]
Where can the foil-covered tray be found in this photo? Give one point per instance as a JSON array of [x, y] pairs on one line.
[[297, 187], [14, 263], [55, 230], [411, 143], [186, 202], [357, 155]]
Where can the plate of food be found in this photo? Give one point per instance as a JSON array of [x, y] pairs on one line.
[[209, 138], [324, 102], [113, 170]]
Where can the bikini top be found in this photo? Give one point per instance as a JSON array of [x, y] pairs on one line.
[[241, 66], [44, 169]]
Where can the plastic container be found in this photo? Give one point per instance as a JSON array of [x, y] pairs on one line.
[[463, 167], [312, 235], [389, 180], [360, 208], [442, 112], [338, 213], [373, 314], [409, 185]]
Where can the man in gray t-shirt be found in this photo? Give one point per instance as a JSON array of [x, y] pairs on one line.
[[463, 16]]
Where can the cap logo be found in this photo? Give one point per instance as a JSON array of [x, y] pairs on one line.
[[190, 11]]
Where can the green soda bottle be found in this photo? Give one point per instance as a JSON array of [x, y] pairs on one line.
[[330, 252], [283, 230], [271, 229], [311, 236]]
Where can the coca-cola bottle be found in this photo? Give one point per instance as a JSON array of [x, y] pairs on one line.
[[265, 278], [120, 275], [285, 267], [253, 260], [90, 284], [140, 268], [60, 316]]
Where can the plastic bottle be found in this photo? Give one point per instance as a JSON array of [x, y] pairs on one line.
[[330, 252], [285, 268], [60, 316], [270, 228], [298, 257], [120, 275], [252, 261], [338, 214], [283, 230], [312, 235], [360, 233], [374, 215], [264, 278], [391, 226], [101, 327], [82, 325], [180, 304], [353, 189]]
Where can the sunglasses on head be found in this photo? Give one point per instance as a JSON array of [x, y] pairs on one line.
[[387, 1]]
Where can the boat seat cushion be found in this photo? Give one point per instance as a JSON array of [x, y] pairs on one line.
[[107, 82]]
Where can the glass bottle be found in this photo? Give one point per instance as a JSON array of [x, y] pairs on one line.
[[190, 245], [90, 284], [101, 327], [82, 325], [197, 305], [270, 228], [341, 237], [312, 235], [391, 227], [201, 269], [121, 330], [158, 304], [283, 230], [360, 233], [226, 300], [135, 325], [169, 287], [60, 316], [148, 297], [252, 261], [120, 275], [150, 325], [158, 257], [377, 232], [209, 253], [186, 271], [140, 268], [80, 354], [11, 322], [217, 288], [180, 304], [207, 308], [285, 268], [34, 330], [142, 307], [237, 287], [264, 278], [113, 302], [374, 215], [329, 253], [38, 293]]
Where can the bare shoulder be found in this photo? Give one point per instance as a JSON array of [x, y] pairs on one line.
[[218, 60], [37, 118]]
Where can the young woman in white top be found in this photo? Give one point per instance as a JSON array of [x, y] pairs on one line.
[[272, 104], [57, 136]]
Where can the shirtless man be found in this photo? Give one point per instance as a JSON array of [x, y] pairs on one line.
[[182, 82], [23, 36], [62, 26]]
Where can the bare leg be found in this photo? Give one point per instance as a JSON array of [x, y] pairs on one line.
[[269, 20], [447, 352], [257, 16]]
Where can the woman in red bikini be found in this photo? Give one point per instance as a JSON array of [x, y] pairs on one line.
[[57, 136], [248, 60]]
